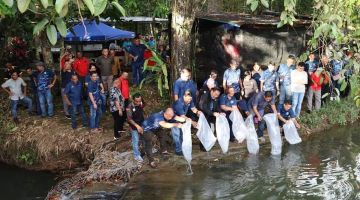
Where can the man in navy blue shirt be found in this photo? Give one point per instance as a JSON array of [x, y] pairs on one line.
[[72, 96], [181, 108], [228, 103], [285, 114], [183, 84], [136, 52], [95, 88], [163, 119], [46, 79], [257, 104]]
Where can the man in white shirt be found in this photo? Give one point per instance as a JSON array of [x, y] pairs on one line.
[[13, 87]]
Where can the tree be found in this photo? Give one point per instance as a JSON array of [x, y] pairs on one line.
[[49, 17], [182, 20]]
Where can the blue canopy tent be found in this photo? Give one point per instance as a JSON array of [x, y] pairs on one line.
[[96, 33]]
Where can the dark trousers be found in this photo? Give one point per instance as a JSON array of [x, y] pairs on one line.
[[148, 143], [232, 137], [118, 123]]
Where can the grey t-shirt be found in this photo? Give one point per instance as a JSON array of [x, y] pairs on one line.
[[105, 65], [15, 88]]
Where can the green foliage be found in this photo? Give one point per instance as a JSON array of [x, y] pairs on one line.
[[254, 4], [49, 15], [159, 73], [27, 157], [332, 113], [154, 8]]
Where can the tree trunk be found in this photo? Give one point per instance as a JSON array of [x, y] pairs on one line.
[[46, 51], [182, 20]]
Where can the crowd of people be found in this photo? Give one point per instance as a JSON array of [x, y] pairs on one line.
[[103, 84]]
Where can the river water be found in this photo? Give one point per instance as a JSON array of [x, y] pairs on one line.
[[326, 166], [20, 184]]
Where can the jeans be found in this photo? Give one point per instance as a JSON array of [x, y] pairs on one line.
[[137, 74], [103, 102], [176, 134], [135, 139], [118, 123], [95, 115], [45, 97], [148, 143], [310, 94], [25, 101], [297, 99], [285, 93], [65, 105], [75, 109]]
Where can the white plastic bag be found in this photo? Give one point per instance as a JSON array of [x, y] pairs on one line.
[[252, 142], [291, 133], [273, 129], [223, 133], [187, 142], [238, 126], [205, 134]]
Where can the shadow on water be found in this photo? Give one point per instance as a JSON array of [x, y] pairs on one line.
[[20, 184], [326, 166]]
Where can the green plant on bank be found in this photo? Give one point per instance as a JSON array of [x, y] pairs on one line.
[[333, 113], [157, 73], [27, 157]]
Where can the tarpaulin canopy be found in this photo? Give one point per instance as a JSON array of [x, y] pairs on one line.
[[96, 32]]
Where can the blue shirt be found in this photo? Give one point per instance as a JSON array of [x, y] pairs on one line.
[[311, 66], [44, 78], [269, 79], [94, 89], [138, 50], [224, 100], [232, 78], [285, 71], [74, 92], [180, 108], [152, 123], [337, 66], [258, 101], [286, 114], [181, 86]]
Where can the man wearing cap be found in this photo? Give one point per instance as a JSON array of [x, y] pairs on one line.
[[46, 79]]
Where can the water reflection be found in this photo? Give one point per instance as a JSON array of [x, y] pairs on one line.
[[324, 167]]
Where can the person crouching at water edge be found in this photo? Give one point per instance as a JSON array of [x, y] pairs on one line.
[[286, 113], [73, 98], [163, 119], [228, 103], [95, 88], [209, 105], [181, 107], [258, 103]]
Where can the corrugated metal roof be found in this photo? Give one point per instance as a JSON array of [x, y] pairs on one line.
[[241, 19]]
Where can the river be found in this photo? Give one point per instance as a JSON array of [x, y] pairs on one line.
[[20, 184], [325, 166]]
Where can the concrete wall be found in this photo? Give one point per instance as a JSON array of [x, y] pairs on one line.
[[254, 45]]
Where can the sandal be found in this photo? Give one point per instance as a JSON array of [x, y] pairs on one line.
[[165, 153]]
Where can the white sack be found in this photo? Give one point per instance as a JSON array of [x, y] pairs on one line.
[[252, 142], [187, 142], [238, 126], [223, 132], [273, 130], [291, 133], [205, 134]]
